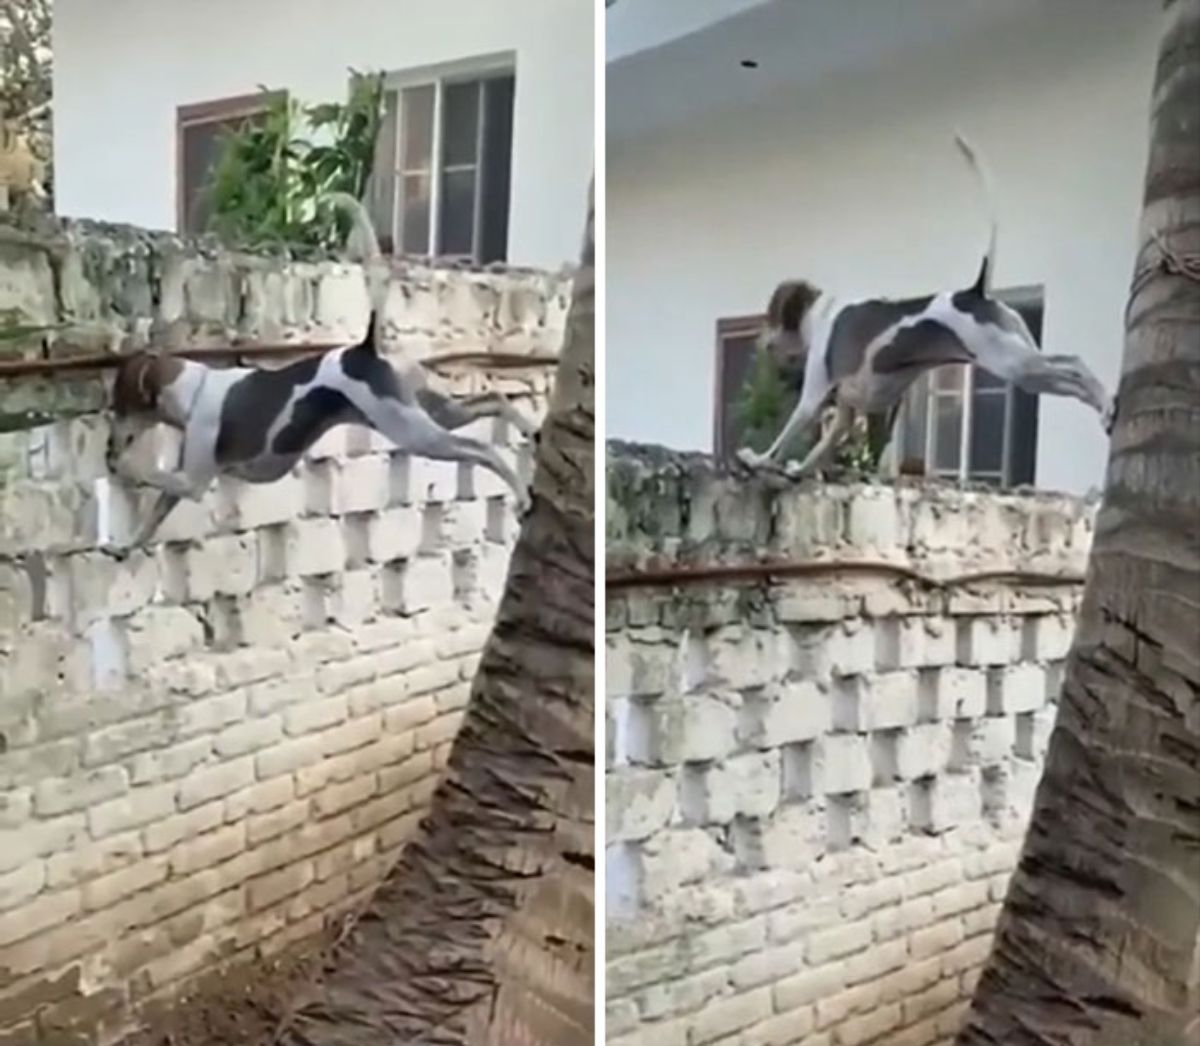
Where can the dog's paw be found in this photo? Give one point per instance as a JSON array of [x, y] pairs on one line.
[[1109, 416], [750, 458]]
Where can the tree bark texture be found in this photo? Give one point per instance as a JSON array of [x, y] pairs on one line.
[[1097, 942], [483, 931]]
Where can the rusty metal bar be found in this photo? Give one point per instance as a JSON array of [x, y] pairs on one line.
[[766, 571], [105, 361]]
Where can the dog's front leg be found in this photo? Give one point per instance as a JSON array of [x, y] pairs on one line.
[[806, 413], [162, 508], [173, 487]]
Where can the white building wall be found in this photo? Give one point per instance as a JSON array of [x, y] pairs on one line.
[[857, 186], [122, 67]]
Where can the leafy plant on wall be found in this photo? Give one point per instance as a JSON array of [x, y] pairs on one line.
[[272, 178], [764, 405]]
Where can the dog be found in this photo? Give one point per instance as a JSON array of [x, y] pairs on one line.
[[255, 424], [865, 353]]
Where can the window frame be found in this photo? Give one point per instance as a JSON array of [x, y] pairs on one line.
[[728, 328], [198, 114], [439, 77]]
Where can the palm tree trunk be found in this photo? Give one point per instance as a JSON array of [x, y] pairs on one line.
[[1099, 930], [483, 932]]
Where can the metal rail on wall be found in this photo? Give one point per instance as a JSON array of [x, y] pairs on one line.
[[245, 353], [767, 570]]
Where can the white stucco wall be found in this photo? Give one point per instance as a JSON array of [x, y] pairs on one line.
[[122, 66], [856, 185]]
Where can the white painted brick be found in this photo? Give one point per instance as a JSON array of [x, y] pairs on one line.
[[315, 546], [222, 565], [63, 795], [961, 693], [638, 804], [794, 837], [158, 633], [249, 736], [139, 807], [888, 700], [800, 711], [747, 785], [424, 582], [991, 740], [1018, 688], [361, 485], [984, 641], [165, 764], [851, 649], [843, 763], [252, 505], [423, 480], [924, 749], [271, 615]]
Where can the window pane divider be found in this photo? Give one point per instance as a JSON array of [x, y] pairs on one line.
[[477, 206], [1006, 442], [397, 229], [435, 171], [964, 436]]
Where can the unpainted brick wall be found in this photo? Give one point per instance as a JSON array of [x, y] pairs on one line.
[[212, 750], [817, 788]]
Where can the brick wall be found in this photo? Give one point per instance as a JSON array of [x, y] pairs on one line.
[[817, 787], [208, 752]]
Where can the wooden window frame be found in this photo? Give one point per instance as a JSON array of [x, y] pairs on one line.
[[213, 111], [728, 327]]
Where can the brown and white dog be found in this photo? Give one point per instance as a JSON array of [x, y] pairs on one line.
[[256, 424], [865, 353]]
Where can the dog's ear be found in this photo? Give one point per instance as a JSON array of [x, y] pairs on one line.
[[790, 302], [139, 381]]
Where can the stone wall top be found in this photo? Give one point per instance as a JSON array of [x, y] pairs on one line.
[[117, 288], [671, 507]]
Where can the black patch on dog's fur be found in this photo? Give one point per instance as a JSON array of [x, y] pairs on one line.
[[923, 345], [362, 364], [979, 307], [314, 414], [253, 405], [858, 325]]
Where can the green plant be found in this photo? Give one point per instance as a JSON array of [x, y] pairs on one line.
[[763, 405], [272, 178]]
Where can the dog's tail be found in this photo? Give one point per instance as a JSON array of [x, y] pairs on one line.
[[362, 245], [983, 282]]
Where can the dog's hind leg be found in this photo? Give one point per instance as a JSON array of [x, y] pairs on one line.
[[1012, 357], [827, 444], [415, 432], [454, 414]]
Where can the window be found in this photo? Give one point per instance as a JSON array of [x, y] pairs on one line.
[[444, 166], [737, 340], [958, 422], [198, 131]]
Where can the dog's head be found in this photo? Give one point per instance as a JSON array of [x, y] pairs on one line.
[[137, 397], [782, 333]]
